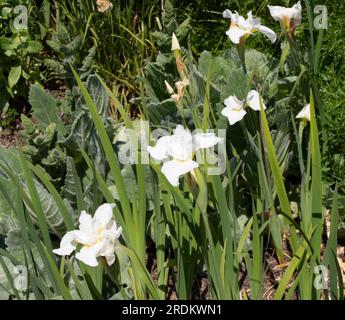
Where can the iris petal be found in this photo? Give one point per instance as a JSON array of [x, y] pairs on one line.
[[103, 215], [89, 254], [253, 100], [160, 151], [67, 245], [233, 115], [235, 34], [174, 169], [269, 33], [205, 140]]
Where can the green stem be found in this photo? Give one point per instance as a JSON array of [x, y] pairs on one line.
[[241, 52], [302, 125]]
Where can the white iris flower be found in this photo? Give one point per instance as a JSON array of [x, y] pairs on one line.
[[235, 108], [97, 235], [241, 28], [289, 18], [180, 148]]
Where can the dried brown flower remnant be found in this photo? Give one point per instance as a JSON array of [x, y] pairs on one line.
[[180, 86], [181, 67], [104, 5]]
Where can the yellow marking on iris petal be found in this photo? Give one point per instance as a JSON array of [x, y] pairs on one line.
[[99, 238]]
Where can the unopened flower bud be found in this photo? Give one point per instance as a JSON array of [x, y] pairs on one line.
[[175, 45]]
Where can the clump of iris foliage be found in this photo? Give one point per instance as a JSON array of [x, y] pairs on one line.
[[77, 222]]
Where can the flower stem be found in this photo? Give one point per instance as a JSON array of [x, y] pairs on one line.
[[302, 125], [241, 52]]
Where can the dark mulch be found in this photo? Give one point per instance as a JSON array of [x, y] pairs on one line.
[[11, 136]]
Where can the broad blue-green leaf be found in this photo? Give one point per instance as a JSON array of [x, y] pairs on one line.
[[45, 108]]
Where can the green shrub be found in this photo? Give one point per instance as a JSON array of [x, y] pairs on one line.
[[19, 49]]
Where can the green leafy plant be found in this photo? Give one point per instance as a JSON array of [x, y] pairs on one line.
[[19, 47]]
